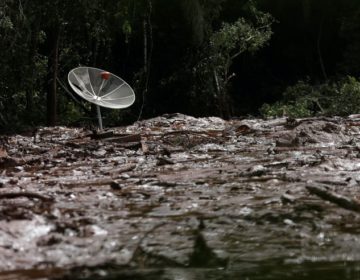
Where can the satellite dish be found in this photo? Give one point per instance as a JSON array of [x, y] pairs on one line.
[[101, 88]]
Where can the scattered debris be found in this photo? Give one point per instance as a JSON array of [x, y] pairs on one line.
[[322, 192], [180, 191], [25, 194]]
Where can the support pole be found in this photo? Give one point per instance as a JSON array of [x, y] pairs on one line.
[[99, 117]]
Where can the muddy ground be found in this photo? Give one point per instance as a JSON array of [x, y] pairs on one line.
[[177, 197]]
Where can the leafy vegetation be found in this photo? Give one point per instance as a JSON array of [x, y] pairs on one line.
[[200, 57], [224, 47], [331, 98]]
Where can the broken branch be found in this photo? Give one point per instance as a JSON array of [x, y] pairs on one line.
[[342, 201], [25, 194]]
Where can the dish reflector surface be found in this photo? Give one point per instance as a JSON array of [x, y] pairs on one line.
[[101, 87]]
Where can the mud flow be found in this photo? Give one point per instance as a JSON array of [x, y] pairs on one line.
[[177, 197]]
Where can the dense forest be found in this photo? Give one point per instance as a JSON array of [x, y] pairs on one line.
[[227, 58]]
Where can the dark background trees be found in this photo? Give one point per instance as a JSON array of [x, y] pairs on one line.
[[200, 57]]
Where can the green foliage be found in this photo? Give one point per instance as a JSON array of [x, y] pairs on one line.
[[346, 98], [22, 67], [5, 23], [350, 35], [235, 38], [331, 98], [213, 71], [192, 56], [126, 29], [296, 109]]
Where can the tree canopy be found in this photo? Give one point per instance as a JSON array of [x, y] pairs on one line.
[[200, 57]]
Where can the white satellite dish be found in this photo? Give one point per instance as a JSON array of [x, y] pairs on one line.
[[101, 88]]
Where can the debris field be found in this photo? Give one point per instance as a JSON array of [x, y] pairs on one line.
[[178, 191]]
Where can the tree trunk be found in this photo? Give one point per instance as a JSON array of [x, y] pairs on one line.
[[218, 98], [194, 16], [318, 47], [147, 53], [222, 97], [29, 101], [53, 61], [145, 69]]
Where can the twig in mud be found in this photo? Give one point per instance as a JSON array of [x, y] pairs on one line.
[[102, 135], [131, 138], [27, 195], [187, 132], [342, 201]]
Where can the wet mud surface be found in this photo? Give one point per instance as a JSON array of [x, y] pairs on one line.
[[177, 197]]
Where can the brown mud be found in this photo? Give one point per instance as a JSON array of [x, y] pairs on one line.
[[177, 197]]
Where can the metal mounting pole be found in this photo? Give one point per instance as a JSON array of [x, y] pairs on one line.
[[98, 107], [99, 117]]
